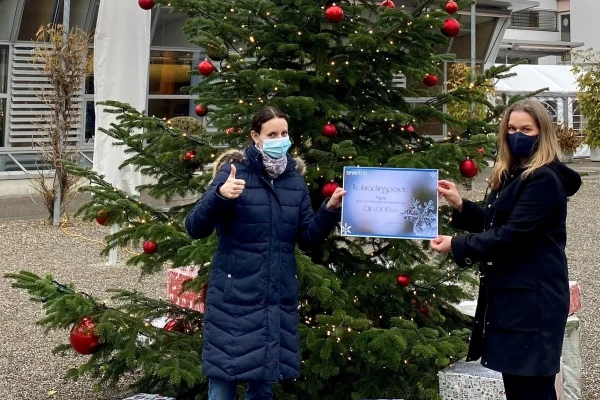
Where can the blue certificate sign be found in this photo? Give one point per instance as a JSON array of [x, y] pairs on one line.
[[391, 203]]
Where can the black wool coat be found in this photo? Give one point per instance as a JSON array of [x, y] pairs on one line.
[[251, 318], [519, 240]]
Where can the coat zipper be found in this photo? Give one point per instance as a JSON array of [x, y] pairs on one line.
[[487, 304], [273, 185]]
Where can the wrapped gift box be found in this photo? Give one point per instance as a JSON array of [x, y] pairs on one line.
[[144, 396], [575, 298], [571, 355], [157, 323], [472, 381], [176, 277]]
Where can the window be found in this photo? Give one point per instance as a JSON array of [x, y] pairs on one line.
[[2, 120], [541, 20], [88, 123], [8, 9], [37, 13], [169, 72], [89, 78], [461, 44], [552, 108], [4, 53], [169, 108], [89, 132], [565, 27], [578, 119], [459, 73], [168, 29]]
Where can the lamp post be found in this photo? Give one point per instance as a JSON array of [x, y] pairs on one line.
[[58, 172]]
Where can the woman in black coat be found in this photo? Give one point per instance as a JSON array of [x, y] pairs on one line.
[[259, 205], [519, 240]]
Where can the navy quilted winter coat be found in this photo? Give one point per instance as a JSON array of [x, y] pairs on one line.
[[251, 320], [519, 239]]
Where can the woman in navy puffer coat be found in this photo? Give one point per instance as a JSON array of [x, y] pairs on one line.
[[259, 204]]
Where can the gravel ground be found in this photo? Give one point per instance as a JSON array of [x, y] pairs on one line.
[[583, 226], [28, 370]]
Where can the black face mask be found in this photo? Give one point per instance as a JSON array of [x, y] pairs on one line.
[[520, 144]]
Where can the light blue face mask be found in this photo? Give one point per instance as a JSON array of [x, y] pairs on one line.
[[276, 148]]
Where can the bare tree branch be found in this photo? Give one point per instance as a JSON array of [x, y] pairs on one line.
[[64, 65]]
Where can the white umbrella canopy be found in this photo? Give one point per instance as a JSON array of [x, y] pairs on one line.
[[121, 65]]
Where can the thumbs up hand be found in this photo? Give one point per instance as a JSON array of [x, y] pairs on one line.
[[232, 188]]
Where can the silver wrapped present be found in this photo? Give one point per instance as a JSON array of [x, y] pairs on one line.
[[571, 355], [145, 396], [472, 381]]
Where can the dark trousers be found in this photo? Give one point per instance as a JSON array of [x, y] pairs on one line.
[[529, 387]]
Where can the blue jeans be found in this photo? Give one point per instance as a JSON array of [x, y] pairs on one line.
[[223, 390]]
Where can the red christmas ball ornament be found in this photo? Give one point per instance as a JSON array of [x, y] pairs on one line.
[[329, 130], [146, 4], [481, 150], [175, 325], [451, 7], [101, 218], [189, 156], [468, 168], [201, 110], [425, 311], [206, 68], [150, 247], [233, 130], [82, 337], [387, 4], [329, 188], [334, 14], [430, 80], [403, 280], [450, 28], [409, 128]]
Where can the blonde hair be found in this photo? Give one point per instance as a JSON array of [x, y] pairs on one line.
[[547, 149]]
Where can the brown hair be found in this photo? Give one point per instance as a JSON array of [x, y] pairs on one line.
[[266, 114], [546, 151]]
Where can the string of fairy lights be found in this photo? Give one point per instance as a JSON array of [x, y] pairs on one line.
[[153, 214], [262, 97], [253, 45]]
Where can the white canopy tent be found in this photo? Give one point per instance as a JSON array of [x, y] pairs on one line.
[[560, 99]]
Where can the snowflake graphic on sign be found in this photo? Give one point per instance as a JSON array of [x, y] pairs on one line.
[[423, 217], [346, 229], [433, 174]]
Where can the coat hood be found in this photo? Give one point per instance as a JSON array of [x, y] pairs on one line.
[[570, 179], [238, 156]]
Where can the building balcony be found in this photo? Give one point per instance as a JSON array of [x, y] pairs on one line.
[[518, 49]]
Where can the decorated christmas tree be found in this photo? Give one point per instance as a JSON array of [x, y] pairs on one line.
[[375, 315]]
